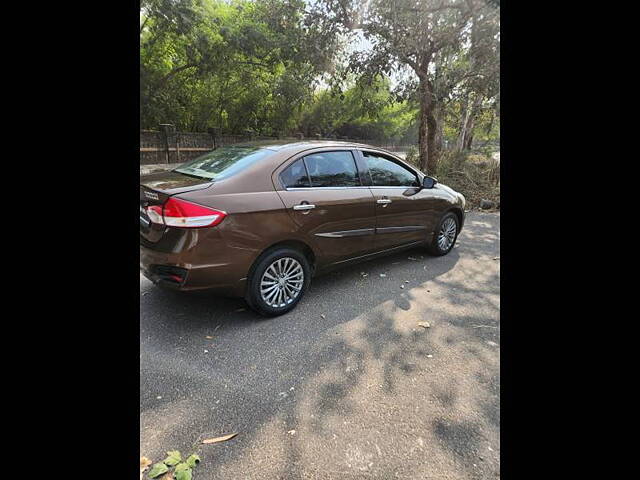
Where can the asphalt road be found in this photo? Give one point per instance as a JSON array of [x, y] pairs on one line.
[[363, 392]]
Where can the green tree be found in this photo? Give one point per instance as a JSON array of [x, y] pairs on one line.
[[233, 65], [432, 38]]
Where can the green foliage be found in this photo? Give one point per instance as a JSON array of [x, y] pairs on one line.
[[278, 67], [238, 65], [173, 458], [157, 470], [181, 470], [367, 111], [254, 66]]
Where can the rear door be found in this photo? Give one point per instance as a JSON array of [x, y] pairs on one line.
[[402, 207], [325, 197]]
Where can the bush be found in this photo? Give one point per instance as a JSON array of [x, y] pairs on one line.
[[475, 176], [413, 157]]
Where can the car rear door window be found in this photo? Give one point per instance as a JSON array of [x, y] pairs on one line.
[[332, 169], [386, 173], [295, 175]]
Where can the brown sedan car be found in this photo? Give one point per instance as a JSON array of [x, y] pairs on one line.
[[258, 220]]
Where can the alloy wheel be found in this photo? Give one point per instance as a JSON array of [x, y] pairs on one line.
[[282, 282], [447, 234]]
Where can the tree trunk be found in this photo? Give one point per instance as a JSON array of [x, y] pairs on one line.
[[423, 148], [432, 131], [439, 131], [464, 123], [427, 132], [467, 145], [465, 137]]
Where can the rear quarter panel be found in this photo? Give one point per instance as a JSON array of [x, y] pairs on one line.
[[255, 221]]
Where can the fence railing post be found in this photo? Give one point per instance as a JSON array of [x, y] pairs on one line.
[[166, 129], [178, 147], [212, 133]]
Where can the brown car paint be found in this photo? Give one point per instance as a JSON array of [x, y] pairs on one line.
[[346, 225]]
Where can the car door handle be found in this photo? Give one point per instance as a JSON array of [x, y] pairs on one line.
[[304, 206], [384, 201]]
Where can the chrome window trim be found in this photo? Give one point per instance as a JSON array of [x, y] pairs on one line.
[[323, 188], [394, 186], [348, 188]]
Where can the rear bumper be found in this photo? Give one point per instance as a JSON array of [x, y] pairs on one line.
[[223, 278]]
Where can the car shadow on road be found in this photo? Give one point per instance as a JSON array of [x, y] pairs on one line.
[[321, 363]]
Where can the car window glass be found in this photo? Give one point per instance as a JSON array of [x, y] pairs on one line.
[[223, 162], [295, 175], [385, 173], [332, 169]]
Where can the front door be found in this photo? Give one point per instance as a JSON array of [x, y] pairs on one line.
[[403, 210], [323, 194]]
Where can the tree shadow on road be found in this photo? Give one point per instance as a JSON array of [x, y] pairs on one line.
[[322, 365]]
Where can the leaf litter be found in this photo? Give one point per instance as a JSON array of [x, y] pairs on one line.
[[223, 438]]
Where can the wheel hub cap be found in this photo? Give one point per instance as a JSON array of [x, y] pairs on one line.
[[282, 282], [447, 234]]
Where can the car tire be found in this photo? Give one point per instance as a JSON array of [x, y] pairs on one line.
[[291, 272], [445, 235]]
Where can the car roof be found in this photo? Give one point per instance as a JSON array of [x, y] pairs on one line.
[[278, 145]]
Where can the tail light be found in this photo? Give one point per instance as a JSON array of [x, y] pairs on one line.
[[180, 213]]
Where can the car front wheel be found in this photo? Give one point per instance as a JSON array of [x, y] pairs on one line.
[[278, 282], [445, 236]]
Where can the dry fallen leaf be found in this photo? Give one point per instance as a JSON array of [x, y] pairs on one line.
[[224, 438], [144, 465]]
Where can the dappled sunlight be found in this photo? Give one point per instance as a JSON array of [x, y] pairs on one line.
[[350, 384]]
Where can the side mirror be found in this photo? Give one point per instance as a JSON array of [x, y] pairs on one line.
[[429, 182]]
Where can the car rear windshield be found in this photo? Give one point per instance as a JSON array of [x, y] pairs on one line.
[[223, 162]]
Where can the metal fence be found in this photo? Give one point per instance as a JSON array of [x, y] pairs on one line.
[[168, 146]]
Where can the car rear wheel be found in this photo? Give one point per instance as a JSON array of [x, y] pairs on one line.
[[445, 236], [278, 282]]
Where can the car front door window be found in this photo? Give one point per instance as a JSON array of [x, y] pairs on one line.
[[385, 173]]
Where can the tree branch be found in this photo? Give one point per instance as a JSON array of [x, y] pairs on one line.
[[174, 72], [146, 19]]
